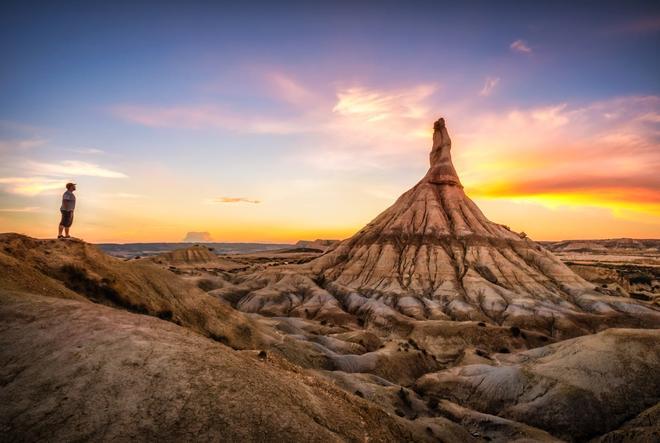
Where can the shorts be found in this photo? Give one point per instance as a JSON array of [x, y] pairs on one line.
[[67, 218]]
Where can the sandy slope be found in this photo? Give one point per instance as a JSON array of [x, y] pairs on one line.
[[73, 370]]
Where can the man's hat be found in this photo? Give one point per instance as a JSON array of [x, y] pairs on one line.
[[68, 185]]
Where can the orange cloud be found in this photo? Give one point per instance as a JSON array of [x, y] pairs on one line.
[[233, 200], [31, 186], [605, 154], [23, 209]]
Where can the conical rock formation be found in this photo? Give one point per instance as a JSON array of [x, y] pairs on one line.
[[434, 242], [434, 255]]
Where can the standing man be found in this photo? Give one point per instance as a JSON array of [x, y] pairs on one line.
[[68, 205]]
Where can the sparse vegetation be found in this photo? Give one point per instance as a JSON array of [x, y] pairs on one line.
[[641, 279], [206, 285], [100, 291]]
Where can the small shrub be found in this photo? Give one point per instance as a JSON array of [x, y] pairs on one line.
[[243, 331], [640, 296], [643, 279], [219, 338], [404, 397], [206, 285], [165, 315]]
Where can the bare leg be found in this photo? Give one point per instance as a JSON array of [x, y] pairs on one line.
[[60, 229], [66, 232]]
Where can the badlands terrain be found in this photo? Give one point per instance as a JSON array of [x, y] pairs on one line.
[[432, 323]]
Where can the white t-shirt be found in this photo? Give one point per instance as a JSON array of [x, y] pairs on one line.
[[68, 201]]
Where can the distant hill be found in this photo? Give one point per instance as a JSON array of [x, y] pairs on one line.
[[320, 244], [606, 245], [130, 250]]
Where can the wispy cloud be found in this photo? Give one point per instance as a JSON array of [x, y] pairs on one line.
[[196, 117], [520, 46], [30, 186], [374, 105], [19, 210], [73, 168], [232, 200], [88, 151], [489, 86], [123, 195], [362, 127], [16, 146], [289, 90], [553, 116], [372, 128], [639, 26], [34, 178]]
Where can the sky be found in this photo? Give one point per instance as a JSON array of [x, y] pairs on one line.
[[281, 121]]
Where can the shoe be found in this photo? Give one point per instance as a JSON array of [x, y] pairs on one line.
[[60, 236], [67, 236]]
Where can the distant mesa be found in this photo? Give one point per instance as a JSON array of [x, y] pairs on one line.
[[197, 237], [321, 244]]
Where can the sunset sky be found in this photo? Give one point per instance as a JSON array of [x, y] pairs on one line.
[[282, 121]]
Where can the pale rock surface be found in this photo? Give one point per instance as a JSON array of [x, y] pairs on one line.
[[73, 371], [575, 389], [78, 270]]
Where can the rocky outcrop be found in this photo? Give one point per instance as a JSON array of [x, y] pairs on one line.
[[78, 270], [575, 389], [74, 371], [434, 255], [196, 256]]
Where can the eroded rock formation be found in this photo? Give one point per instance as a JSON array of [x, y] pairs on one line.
[[434, 255]]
